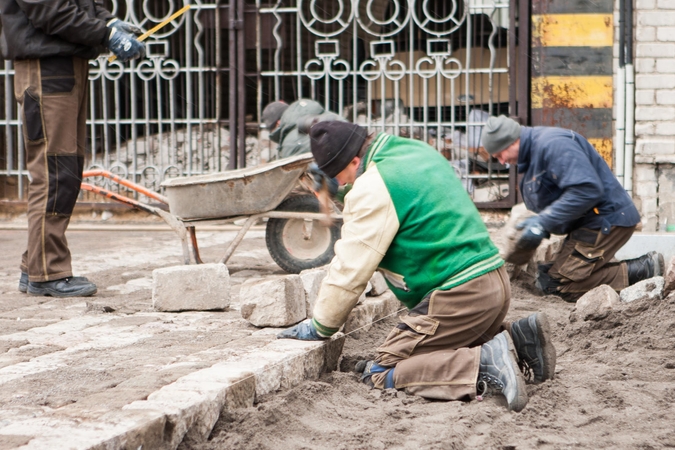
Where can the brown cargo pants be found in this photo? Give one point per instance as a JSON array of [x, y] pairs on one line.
[[586, 260], [52, 93], [436, 347]]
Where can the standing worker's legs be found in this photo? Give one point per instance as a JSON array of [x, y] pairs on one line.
[[53, 95], [437, 348], [586, 261]]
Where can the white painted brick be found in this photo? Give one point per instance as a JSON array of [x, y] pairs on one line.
[[665, 97], [644, 173], [655, 18], [649, 206], [311, 282], [645, 65], [660, 50], [645, 34], [665, 34], [665, 129], [654, 82], [273, 302], [644, 97], [646, 188], [643, 5], [644, 129], [655, 147], [198, 287], [655, 113], [665, 4], [665, 66]]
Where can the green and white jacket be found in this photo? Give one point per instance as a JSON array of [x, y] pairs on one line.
[[408, 216]]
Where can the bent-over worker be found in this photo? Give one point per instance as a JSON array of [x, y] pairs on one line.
[[575, 193], [408, 216]]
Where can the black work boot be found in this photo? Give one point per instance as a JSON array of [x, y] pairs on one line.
[[499, 371], [23, 281], [532, 339], [65, 287], [645, 267], [544, 282]]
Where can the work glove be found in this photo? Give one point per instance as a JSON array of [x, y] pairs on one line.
[[303, 331], [320, 178], [123, 44], [125, 26], [533, 235]]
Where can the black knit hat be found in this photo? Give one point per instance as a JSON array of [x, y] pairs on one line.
[[335, 143]]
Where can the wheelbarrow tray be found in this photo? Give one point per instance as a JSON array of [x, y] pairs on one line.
[[232, 193]]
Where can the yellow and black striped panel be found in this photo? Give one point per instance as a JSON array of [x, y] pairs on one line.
[[572, 68]]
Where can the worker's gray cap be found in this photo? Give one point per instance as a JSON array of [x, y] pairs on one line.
[[272, 113], [499, 133]]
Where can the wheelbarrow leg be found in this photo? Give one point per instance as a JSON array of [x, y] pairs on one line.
[[240, 235], [195, 248], [180, 230]]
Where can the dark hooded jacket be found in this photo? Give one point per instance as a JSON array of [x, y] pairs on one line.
[[34, 29], [567, 182], [292, 134]]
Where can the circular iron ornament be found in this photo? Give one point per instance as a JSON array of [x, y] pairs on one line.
[[157, 66], [396, 23], [172, 171], [440, 26], [99, 181], [151, 177], [327, 67], [391, 69], [100, 67], [151, 19], [339, 23], [438, 64]]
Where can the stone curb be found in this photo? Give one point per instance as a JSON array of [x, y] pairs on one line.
[[182, 411], [189, 407]]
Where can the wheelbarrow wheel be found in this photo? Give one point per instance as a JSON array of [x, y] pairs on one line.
[[296, 244]]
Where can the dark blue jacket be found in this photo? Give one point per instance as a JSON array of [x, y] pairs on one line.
[[569, 185]]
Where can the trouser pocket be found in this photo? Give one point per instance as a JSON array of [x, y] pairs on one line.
[[32, 112], [580, 264]]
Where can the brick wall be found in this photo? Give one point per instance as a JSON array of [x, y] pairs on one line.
[[654, 171]]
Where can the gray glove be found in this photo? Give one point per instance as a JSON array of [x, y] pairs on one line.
[[125, 26], [123, 44], [303, 331]]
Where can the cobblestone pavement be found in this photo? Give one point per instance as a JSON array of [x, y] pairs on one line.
[[110, 372]]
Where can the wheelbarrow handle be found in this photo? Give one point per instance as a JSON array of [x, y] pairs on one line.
[[130, 184], [119, 198]]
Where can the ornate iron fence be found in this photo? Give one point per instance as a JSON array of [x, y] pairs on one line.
[[428, 69]]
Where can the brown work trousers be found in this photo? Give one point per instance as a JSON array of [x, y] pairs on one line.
[[52, 93], [586, 261], [436, 347]]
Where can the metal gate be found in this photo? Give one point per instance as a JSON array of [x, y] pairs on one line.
[[428, 69]]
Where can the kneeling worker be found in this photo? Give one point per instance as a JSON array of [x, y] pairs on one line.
[[408, 215], [575, 193]]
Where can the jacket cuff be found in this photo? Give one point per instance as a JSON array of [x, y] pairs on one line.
[[322, 330]]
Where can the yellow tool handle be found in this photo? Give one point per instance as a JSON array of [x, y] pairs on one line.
[[156, 28]]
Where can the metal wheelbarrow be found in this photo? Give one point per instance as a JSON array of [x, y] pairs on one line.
[[296, 234]]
